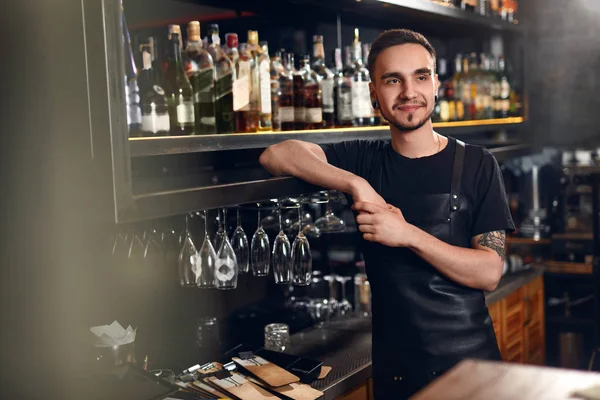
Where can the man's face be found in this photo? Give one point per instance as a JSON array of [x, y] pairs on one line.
[[405, 85]]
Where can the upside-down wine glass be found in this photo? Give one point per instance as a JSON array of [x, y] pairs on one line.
[[226, 269], [206, 261], [187, 259], [282, 257], [239, 243], [330, 223], [301, 257], [260, 251]]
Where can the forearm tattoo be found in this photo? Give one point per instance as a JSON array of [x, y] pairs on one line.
[[495, 240]]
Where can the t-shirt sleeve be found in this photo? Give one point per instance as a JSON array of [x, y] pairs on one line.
[[345, 155], [491, 212]]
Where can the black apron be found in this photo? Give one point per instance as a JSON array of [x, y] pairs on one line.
[[423, 323]]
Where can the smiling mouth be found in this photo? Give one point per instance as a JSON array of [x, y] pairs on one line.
[[409, 107]]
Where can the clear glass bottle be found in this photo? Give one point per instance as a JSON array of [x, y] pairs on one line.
[[326, 81], [155, 112], [312, 95], [201, 72], [361, 98], [225, 75], [132, 96], [286, 98], [245, 92], [504, 89], [180, 95], [263, 63], [276, 70]]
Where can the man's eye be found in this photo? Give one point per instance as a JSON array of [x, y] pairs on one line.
[[423, 77], [392, 81]]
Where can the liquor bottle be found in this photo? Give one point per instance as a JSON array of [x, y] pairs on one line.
[[361, 99], [487, 86], [457, 86], [201, 73], [225, 75], [245, 92], [312, 93], [155, 111], [275, 71], [299, 99], [180, 95], [504, 97], [132, 97], [342, 90], [286, 98], [442, 106], [377, 117], [468, 5], [326, 81], [263, 64], [157, 50], [231, 47]]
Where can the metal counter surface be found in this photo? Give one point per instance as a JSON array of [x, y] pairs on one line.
[[345, 344]]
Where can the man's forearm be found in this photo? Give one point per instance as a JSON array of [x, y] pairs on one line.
[[474, 268], [295, 159]]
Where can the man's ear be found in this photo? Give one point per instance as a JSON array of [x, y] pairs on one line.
[[372, 92]]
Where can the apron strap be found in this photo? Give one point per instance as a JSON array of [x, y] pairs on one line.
[[457, 170]]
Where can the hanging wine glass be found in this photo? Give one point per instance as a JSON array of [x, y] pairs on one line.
[[282, 256], [239, 243], [301, 257], [226, 268], [221, 232], [260, 251], [345, 307], [187, 259], [206, 261], [329, 223]]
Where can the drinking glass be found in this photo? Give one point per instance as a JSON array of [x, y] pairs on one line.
[[301, 257], [187, 259], [221, 231], [239, 243], [206, 261], [226, 269], [260, 251], [277, 337], [344, 307], [333, 302], [282, 256], [329, 223]]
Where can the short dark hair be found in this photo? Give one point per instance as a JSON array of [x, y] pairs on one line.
[[395, 37]]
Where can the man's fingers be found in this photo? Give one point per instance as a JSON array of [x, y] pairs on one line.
[[365, 218], [369, 237], [367, 207], [366, 228]]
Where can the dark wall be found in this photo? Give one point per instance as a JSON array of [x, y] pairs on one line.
[[563, 58]]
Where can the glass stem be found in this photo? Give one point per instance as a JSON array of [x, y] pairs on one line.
[[279, 212], [205, 224], [299, 219], [259, 225], [239, 220], [224, 220]]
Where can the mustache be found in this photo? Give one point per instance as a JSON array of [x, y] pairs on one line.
[[410, 103]]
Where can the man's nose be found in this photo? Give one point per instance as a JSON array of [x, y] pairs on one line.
[[408, 91]]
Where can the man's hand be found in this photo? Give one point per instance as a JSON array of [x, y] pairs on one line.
[[383, 224], [362, 191]]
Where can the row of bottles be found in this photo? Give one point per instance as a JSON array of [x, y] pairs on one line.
[[501, 9], [480, 88], [205, 88]]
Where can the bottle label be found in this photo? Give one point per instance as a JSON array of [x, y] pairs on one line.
[[185, 112], [345, 104], [361, 100], [265, 87], [299, 114], [504, 89], [224, 86], [460, 110], [241, 94], [286, 114], [204, 86], [155, 123], [314, 115], [452, 110], [505, 105], [327, 91], [444, 111]]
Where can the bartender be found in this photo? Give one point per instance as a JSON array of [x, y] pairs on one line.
[[432, 212]]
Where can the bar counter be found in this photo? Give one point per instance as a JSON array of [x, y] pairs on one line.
[[345, 345]]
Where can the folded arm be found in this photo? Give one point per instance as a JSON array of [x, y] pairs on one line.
[[307, 161]]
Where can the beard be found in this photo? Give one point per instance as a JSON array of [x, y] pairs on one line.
[[410, 126]]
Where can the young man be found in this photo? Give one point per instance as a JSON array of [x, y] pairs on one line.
[[433, 214]]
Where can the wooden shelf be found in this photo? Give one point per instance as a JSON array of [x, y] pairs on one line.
[[560, 267], [521, 240], [143, 147]]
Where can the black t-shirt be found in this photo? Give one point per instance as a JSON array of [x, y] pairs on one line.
[[392, 174]]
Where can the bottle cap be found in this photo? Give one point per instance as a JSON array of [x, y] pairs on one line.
[[193, 29], [232, 40], [252, 37]]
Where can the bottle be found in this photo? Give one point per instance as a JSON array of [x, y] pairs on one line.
[[286, 98], [245, 92], [201, 73], [276, 70], [312, 94], [326, 81], [225, 75], [299, 100], [504, 89], [342, 93], [157, 54], [458, 90], [180, 95], [263, 64], [362, 110], [155, 112], [132, 96], [443, 105]]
